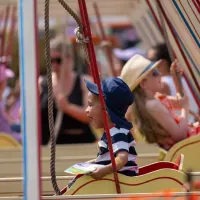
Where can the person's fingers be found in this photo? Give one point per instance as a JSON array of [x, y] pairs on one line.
[[88, 173], [178, 96]]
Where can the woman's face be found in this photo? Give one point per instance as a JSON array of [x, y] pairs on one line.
[[56, 61], [164, 65], [152, 82]]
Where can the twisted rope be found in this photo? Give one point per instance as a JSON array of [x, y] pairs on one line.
[[81, 40], [50, 100], [78, 31]]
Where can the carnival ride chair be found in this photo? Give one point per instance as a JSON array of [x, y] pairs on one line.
[[7, 141], [151, 178], [190, 148]]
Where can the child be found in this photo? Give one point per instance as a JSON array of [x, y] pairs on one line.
[[154, 115], [118, 98]]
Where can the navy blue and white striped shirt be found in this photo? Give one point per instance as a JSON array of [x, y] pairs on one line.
[[122, 140]]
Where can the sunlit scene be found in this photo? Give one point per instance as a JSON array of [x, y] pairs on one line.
[[99, 99]]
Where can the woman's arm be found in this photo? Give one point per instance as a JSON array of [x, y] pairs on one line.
[[120, 160], [163, 117], [40, 81], [77, 112], [177, 101]]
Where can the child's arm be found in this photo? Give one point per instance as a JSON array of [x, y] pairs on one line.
[[120, 160]]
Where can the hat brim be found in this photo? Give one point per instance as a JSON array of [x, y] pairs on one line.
[[155, 65], [92, 87]]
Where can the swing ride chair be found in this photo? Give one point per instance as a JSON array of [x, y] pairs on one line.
[[151, 178], [186, 147]]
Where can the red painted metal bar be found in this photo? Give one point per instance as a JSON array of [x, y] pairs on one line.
[[104, 38], [1, 22], [155, 17], [197, 5], [1, 19], [161, 30], [11, 33], [178, 44], [87, 32], [3, 36]]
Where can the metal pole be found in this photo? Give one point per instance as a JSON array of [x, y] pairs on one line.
[[87, 32], [29, 68]]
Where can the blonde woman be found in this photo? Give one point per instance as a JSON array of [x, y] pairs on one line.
[[153, 113], [72, 102]]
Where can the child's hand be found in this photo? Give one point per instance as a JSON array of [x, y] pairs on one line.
[[176, 68], [99, 173], [183, 101]]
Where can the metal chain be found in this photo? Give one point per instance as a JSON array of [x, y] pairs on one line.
[[50, 99]]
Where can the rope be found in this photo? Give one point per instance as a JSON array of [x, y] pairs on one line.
[[78, 31], [71, 12], [81, 40], [50, 100]]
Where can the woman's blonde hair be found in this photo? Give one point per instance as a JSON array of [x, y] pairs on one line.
[[58, 44], [144, 122]]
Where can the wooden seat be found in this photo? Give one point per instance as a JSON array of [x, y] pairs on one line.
[[7, 141], [155, 181], [159, 173], [163, 165], [190, 148]]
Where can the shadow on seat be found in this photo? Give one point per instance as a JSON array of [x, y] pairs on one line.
[[7, 141]]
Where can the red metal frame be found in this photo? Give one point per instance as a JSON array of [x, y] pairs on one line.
[[11, 33], [178, 44], [1, 20], [95, 73], [197, 5], [104, 38], [161, 30], [87, 33]]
